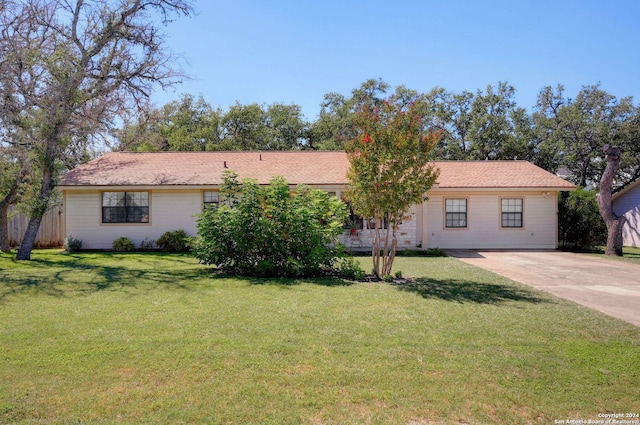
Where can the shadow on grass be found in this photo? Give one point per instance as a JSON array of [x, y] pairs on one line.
[[287, 282], [462, 291], [69, 275], [74, 275]]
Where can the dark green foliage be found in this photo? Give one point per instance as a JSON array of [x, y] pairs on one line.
[[270, 231], [72, 244], [431, 252], [175, 241], [123, 244], [147, 244], [580, 224], [350, 268]]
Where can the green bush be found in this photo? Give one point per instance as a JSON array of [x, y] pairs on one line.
[[147, 244], [348, 267], [123, 244], [579, 221], [271, 231], [175, 241], [72, 244]]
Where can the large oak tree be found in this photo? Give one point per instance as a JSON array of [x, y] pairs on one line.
[[67, 69]]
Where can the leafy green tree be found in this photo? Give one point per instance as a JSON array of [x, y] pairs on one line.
[[270, 231], [482, 126], [336, 122], [140, 130], [67, 68], [253, 127], [244, 127], [573, 133], [194, 125], [191, 125], [188, 124], [579, 222], [389, 171]]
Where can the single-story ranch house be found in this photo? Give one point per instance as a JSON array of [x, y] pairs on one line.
[[627, 203], [474, 204]]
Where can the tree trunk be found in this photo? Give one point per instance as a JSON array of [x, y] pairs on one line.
[[613, 222], [29, 238], [4, 227], [44, 198], [614, 237], [8, 200]]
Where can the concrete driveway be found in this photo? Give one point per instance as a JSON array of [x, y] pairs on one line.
[[607, 285]]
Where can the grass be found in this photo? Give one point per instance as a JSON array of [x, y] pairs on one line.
[[99, 338], [631, 254]]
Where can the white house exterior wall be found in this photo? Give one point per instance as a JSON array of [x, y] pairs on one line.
[[423, 226], [484, 229], [629, 204], [168, 210]]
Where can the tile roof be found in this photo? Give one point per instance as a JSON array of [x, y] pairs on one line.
[[314, 168]]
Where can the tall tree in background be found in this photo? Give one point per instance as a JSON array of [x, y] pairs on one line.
[[573, 133], [191, 124], [336, 122], [68, 68], [481, 126], [390, 169]]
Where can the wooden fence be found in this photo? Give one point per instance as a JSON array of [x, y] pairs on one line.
[[50, 234]]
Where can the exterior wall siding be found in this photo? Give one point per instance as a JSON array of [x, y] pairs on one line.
[[422, 227], [169, 210], [484, 229], [629, 204]]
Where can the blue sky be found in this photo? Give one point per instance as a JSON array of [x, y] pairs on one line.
[[287, 51]]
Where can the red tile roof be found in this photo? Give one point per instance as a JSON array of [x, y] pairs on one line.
[[314, 168]]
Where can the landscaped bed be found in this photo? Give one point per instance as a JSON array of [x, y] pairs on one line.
[[105, 338]]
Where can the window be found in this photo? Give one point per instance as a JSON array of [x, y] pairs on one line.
[[512, 212], [456, 213], [211, 199], [125, 207]]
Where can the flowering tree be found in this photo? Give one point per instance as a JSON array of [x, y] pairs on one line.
[[390, 170]]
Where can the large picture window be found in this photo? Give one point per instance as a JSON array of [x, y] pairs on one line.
[[456, 213], [125, 207], [511, 212]]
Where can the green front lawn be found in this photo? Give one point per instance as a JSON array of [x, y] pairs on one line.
[[104, 338]]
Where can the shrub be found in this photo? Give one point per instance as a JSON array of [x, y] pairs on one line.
[[348, 267], [270, 231], [147, 244], [123, 244], [72, 244], [175, 241], [579, 221], [431, 252]]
